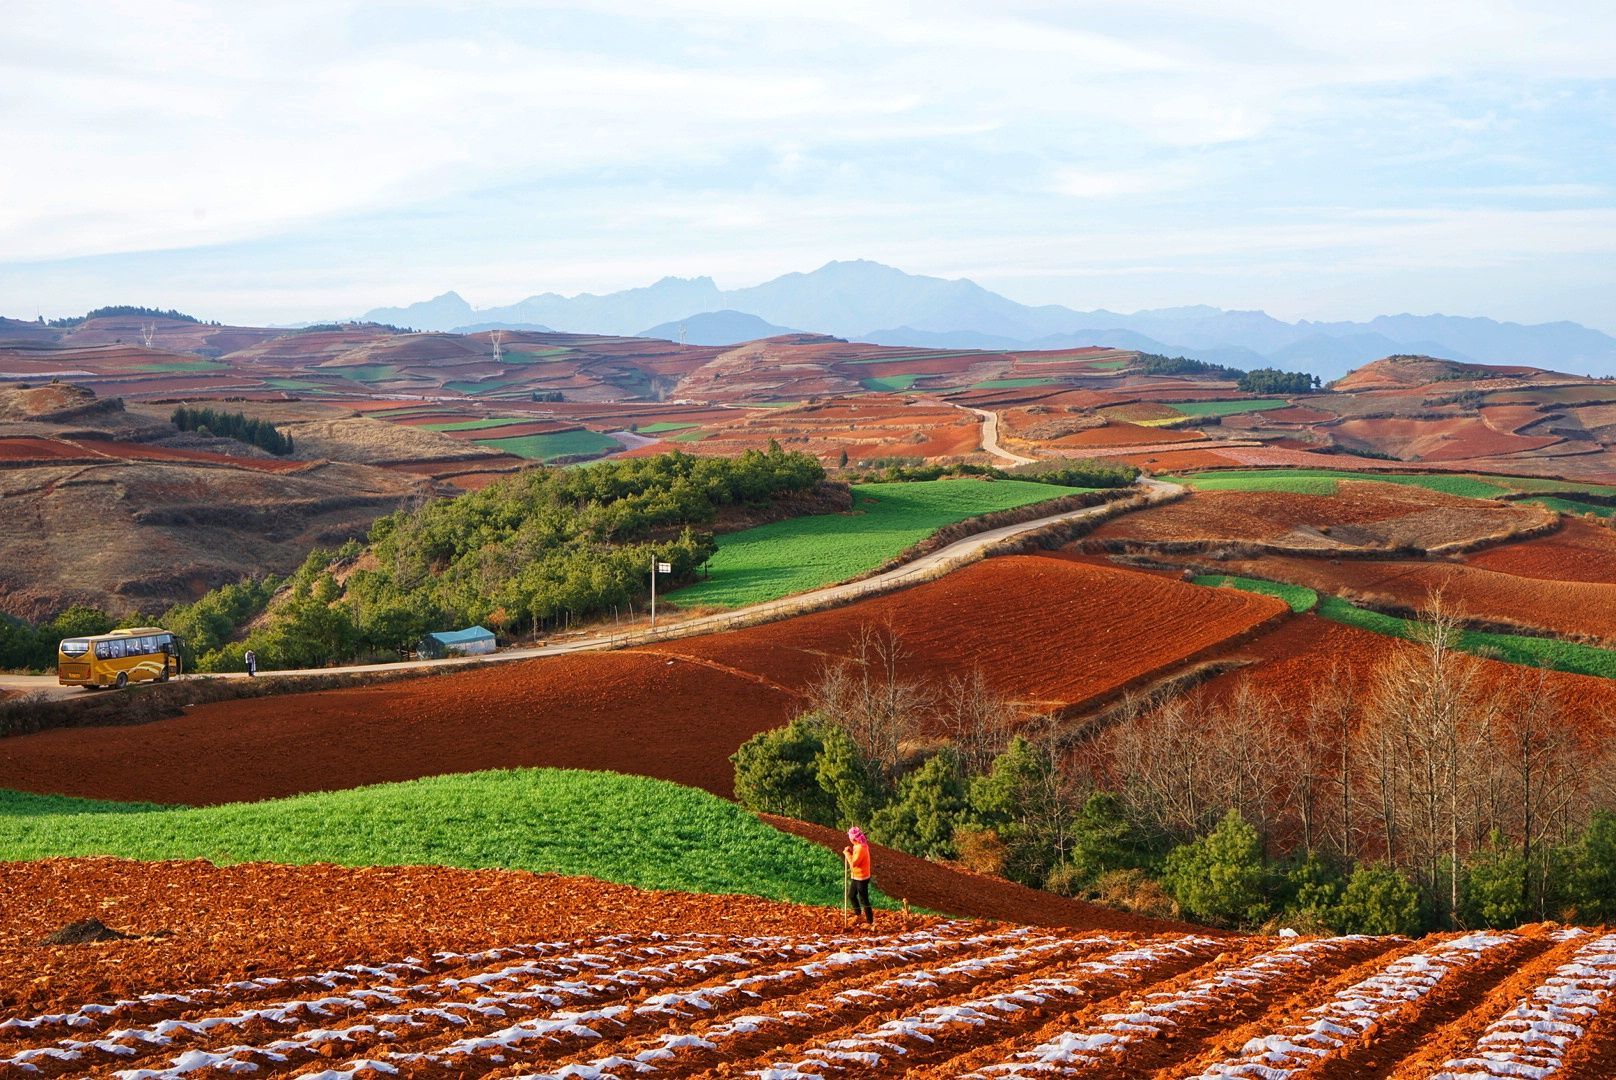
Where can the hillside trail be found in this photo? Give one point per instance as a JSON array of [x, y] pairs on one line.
[[925, 568], [990, 437]]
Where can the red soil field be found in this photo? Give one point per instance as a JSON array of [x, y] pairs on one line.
[[1121, 433], [1510, 418], [1440, 440], [1290, 662], [1577, 551], [428, 973], [1562, 607], [29, 448], [146, 452], [1172, 461], [1046, 631], [1381, 512], [1296, 414], [630, 712]]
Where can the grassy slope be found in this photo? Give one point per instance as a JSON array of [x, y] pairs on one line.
[[890, 382], [1324, 481], [1225, 408], [803, 553], [553, 445], [1299, 597], [627, 829]]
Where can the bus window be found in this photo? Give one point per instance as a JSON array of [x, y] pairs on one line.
[[148, 645], [103, 650], [115, 649], [75, 648]]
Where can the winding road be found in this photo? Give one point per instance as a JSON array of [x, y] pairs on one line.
[[990, 438], [933, 565]]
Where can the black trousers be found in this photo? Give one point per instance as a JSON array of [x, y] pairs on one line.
[[858, 897]]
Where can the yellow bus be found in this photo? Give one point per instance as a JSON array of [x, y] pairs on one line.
[[141, 653]]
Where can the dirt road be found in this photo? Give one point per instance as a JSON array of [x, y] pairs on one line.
[[990, 438], [941, 561]]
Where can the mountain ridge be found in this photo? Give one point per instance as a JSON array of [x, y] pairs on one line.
[[861, 300]]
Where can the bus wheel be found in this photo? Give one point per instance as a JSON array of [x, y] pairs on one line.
[[164, 676], [123, 680]]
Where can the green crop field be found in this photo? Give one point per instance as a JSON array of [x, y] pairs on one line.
[[804, 553], [1225, 408], [890, 382], [628, 829], [554, 444], [1299, 597], [296, 384], [1572, 506], [534, 356], [475, 387], [666, 425], [1323, 482], [367, 373], [182, 365], [1278, 481], [1013, 384], [479, 425]]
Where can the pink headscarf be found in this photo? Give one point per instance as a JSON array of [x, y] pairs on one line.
[[856, 835]]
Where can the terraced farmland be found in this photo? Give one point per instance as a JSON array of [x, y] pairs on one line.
[[948, 999]]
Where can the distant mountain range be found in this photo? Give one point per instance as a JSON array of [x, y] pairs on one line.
[[866, 301]]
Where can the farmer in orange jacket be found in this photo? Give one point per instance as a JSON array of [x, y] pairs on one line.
[[857, 856]]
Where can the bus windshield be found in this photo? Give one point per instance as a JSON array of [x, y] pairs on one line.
[[75, 647]]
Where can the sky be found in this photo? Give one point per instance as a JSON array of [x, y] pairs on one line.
[[260, 163]]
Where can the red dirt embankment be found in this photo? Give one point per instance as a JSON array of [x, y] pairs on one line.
[[948, 888], [1044, 630]]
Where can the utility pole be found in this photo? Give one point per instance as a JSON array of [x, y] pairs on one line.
[[657, 568]]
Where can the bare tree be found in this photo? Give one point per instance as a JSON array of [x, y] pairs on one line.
[[976, 720], [866, 694], [1325, 762], [1431, 723]]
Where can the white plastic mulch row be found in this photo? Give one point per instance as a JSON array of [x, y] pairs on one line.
[[128, 1042], [684, 1003], [1350, 1013], [102, 1014], [1020, 946], [1531, 1040], [1155, 1015], [868, 1049]]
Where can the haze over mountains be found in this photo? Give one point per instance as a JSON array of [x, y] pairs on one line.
[[866, 301]]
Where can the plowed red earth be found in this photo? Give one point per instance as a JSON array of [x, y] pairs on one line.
[[1044, 630], [1562, 607], [1577, 551], [1383, 510], [425, 973], [1291, 662]]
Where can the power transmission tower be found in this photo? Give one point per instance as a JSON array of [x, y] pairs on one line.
[[681, 333], [496, 338], [148, 332]]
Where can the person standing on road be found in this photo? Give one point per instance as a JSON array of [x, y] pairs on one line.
[[252, 663], [857, 857]]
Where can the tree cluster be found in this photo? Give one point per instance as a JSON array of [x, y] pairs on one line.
[[1274, 381], [123, 310], [28, 647], [546, 546], [233, 425], [1420, 797], [1156, 364], [1067, 472]]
